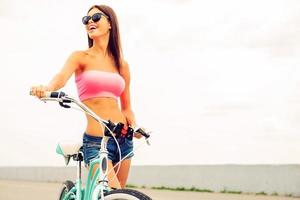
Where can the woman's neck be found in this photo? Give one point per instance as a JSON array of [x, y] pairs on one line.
[[100, 45]]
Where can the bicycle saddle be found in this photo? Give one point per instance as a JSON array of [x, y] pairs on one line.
[[68, 149]]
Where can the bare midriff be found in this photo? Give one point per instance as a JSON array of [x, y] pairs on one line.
[[106, 108]]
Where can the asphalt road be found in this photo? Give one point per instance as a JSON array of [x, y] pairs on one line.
[[16, 190]]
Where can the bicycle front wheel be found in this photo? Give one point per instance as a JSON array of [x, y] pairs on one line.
[[125, 194]]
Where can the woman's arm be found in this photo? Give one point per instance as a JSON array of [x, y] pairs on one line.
[[125, 96], [61, 78]]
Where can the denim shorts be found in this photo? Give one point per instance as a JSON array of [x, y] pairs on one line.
[[91, 148]]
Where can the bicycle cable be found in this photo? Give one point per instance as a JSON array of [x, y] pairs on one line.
[[120, 160], [118, 146], [116, 141]]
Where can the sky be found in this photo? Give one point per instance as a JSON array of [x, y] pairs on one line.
[[217, 82]]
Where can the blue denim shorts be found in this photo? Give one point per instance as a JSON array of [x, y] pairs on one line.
[[91, 148]]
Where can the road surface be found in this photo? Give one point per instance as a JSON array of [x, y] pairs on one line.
[[16, 190]]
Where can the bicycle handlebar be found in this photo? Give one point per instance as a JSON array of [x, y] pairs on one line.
[[64, 99]]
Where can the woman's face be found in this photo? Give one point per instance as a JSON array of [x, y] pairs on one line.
[[99, 28]]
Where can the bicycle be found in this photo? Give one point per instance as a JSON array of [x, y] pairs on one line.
[[97, 187]]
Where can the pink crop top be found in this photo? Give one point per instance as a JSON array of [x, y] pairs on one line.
[[95, 83]]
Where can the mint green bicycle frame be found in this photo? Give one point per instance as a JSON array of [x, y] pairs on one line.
[[93, 188], [98, 184]]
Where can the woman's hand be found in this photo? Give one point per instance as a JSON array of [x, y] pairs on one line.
[[128, 114], [131, 121], [39, 91]]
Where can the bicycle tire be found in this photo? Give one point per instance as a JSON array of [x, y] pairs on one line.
[[125, 194], [67, 186]]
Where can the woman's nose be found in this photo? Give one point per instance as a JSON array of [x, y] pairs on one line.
[[90, 21]]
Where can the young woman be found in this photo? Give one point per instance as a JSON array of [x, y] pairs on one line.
[[102, 77]]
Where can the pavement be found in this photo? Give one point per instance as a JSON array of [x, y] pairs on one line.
[[15, 190]]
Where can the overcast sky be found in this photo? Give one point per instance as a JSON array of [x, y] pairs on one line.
[[216, 81]]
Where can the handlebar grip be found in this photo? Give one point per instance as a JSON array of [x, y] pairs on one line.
[[54, 94], [51, 94], [143, 133]]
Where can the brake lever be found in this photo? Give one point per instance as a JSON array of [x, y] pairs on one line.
[[64, 105], [147, 141], [64, 101], [143, 133]]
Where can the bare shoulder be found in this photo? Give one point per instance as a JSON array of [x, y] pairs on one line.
[[77, 54], [78, 57], [124, 63], [76, 60], [124, 68]]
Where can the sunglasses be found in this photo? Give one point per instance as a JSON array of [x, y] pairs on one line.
[[95, 17]]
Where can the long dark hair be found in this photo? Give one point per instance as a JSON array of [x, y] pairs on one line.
[[114, 43]]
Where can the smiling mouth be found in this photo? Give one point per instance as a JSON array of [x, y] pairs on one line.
[[92, 28]]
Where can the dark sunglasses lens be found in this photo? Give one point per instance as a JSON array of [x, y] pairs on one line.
[[86, 19], [96, 17]]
